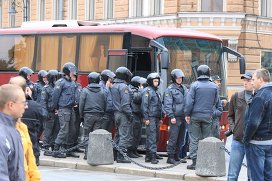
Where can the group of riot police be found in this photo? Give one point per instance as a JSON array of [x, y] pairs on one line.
[[127, 102]]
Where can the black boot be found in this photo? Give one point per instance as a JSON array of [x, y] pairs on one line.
[[121, 159], [136, 153], [192, 166], [147, 156], [154, 159], [47, 152], [176, 157], [158, 157], [171, 159], [85, 153], [57, 153], [71, 153], [130, 154]]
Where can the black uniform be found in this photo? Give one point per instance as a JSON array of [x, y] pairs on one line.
[[33, 117], [92, 107], [78, 120]]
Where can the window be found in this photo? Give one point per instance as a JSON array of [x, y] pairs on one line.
[[90, 9], [58, 10], [52, 48], [41, 10], [267, 61], [93, 50], [266, 8], [136, 8], [108, 11], [212, 5], [11, 16], [16, 52], [73, 9], [155, 7]]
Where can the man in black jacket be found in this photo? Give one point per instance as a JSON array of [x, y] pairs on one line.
[[92, 106]]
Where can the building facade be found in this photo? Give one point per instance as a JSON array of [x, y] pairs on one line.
[[244, 25]]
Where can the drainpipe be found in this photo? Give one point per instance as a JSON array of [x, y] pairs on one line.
[[60, 9]]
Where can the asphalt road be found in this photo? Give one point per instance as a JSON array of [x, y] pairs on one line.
[[66, 174]]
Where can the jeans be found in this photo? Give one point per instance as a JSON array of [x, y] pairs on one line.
[[237, 154], [259, 159]]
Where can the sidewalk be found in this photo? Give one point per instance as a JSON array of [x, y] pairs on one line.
[[179, 172]]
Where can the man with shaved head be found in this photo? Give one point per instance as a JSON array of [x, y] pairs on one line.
[[12, 107], [32, 116]]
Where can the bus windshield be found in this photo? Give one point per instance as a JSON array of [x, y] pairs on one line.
[[187, 54]]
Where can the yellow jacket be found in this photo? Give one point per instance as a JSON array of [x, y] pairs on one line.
[[31, 170]]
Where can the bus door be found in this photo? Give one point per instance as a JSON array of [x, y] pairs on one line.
[[140, 61]]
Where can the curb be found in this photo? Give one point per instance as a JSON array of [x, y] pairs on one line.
[[127, 170]]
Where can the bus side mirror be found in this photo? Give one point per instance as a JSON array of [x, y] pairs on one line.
[[164, 60], [242, 65]]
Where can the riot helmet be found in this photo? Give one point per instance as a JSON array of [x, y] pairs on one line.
[[41, 75], [93, 77], [143, 82], [69, 68], [106, 74], [123, 73], [136, 81], [203, 72], [52, 76], [25, 71], [151, 77], [176, 73]]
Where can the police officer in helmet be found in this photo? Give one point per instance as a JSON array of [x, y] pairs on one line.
[[26, 73], [174, 103], [51, 126], [106, 84], [41, 82], [64, 101], [121, 98], [136, 88], [152, 113], [202, 94], [92, 106]]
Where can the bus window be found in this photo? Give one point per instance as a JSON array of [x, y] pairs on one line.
[[93, 50], [187, 54], [47, 52], [68, 49], [16, 52]]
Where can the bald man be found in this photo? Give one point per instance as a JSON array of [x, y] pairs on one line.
[[32, 117], [12, 107]]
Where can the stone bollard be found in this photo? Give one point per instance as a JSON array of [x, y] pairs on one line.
[[100, 151], [210, 158]]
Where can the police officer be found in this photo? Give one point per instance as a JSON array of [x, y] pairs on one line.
[[63, 102], [106, 84], [217, 109], [174, 102], [51, 126], [152, 112], [92, 106], [41, 82], [78, 120], [200, 100], [121, 98], [136, 88], [26, 73]]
